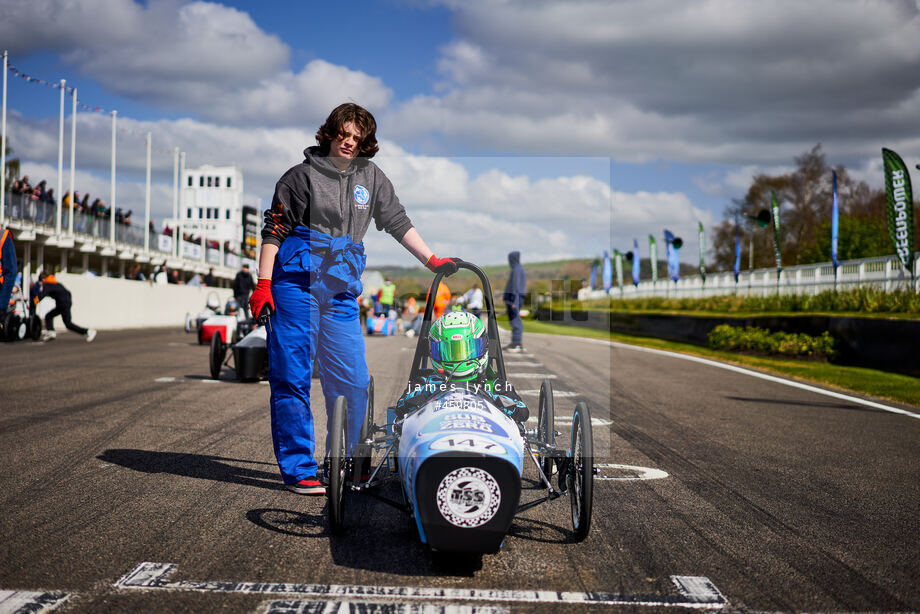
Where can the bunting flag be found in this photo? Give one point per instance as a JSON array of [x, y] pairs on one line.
[[737, 253], [835, 214], [636, 263], [607, 273], [618, 265], [672, 246], [702, 253], [774, 211], [653, 257], [900, 208]]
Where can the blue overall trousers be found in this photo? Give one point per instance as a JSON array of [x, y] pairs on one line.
[[315, 285]]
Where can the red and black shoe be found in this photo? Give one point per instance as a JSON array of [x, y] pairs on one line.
[[307, 486]]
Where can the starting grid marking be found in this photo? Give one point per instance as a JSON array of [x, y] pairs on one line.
[[352, 607], [562, 394], [32, 602], [694, 592]]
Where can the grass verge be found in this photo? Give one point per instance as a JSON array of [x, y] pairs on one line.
[[881, 384]]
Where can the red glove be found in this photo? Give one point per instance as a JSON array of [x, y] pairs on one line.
[[448, 266], [261, 297]]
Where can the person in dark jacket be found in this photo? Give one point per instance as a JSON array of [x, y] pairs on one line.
[[243, 285], [49, 286], [515, 290], [209, 278], [8, 269], [310, 267]]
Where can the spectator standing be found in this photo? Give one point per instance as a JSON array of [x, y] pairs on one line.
[[49, 286], [209, 278], [243, 285], [387, 296], [473, 300], [8, 269], [136, 273], [515, 290]]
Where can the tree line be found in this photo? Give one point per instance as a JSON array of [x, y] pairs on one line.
[[806, 201]]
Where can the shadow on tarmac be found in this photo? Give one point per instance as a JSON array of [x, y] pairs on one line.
[[194, 466], [831, 404]]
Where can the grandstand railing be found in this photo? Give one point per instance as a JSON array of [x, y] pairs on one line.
[[884, 273], [32, 213]]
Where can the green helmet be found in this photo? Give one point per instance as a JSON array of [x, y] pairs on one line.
[[459, 346]]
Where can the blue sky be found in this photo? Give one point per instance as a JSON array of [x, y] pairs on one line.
[[557, 128]]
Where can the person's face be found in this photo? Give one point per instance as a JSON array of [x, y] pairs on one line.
[[345, 145]]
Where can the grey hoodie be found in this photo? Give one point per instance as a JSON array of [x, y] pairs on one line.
[[316, 194]]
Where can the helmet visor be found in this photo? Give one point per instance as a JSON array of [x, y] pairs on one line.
[[457, 350]]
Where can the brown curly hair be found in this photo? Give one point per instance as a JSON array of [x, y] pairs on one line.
[[364, 122]]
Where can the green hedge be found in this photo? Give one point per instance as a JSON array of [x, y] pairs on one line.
[[858, 300], [753, 339]]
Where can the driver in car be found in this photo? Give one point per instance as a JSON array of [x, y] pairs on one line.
[[459, 351]]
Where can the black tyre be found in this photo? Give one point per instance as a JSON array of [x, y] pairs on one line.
[[22, 330], [546, 427], [10, 326], [580, 477], [363, 462], [335, 493], [218, 352], [35, 328], [200, 336]]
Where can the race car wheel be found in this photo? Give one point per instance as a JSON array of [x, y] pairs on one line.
[[200, 335], [188, 323], [10, 326], [335, 493], [546, 428], [218, 352], [35, 328], [22, 330], [580, 477], [363, 462]]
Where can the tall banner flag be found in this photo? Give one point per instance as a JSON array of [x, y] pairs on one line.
[[737, 253], [653, 257], [607, 274], [835, 215], [672, 245], [774, 211], [702, 253], [900, 208], [618, 265], [636, 263]]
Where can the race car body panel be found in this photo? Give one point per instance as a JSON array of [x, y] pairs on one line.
[[460, 460], [225, 325], [250, 355]]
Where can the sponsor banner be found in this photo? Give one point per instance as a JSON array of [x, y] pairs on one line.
[[190, 250], [777, 240], [653, 257], [618, 265], [636, 263], [164, 243], [737, 253], [232, 260], [212, 256], [900, 208], [671, 247], [702, 253], [607, 273]]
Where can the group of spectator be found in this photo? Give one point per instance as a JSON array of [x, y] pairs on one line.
[[43, 194], [40, 192]]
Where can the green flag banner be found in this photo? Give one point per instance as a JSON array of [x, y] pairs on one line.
[[774, 211], [653, 257], [900, 208], [702, 252]]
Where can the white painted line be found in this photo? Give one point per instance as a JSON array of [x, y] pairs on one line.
[[155, 576], [630, 472], [562, 394], [532, 375], [757, 374], [208, 380], [594, 421], [264, 382], [28, 601], [353, 607], [523, 364], [165, 379]]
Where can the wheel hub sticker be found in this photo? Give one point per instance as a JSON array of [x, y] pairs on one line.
[[468, 497]]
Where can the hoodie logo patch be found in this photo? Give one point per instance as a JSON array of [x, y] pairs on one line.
[[362, 196]]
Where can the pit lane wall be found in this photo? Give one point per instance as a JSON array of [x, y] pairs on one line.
[[876, 343], [108, 303]]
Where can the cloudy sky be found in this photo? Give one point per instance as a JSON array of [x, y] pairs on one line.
[[556, 128]]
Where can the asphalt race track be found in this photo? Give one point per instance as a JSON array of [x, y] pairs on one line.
[[132, 482]]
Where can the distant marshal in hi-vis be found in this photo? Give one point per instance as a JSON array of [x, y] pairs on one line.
[[900, 207]]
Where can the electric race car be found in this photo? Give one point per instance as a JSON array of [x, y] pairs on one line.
[[459, 457], [249, 354]]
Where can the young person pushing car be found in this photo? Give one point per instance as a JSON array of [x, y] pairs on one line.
[[310, 269]]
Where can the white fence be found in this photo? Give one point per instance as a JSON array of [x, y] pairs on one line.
[[885, 273]]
